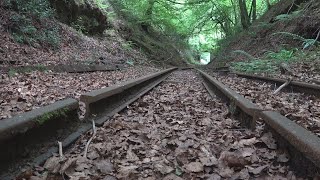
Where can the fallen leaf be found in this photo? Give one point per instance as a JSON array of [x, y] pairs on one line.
[[257, 170], [269, 141], [209, 161], [104, 166], [172, 177], [283, 158], [194, 167], [53, 164], [232, 159], [247, 142], [163, 169]]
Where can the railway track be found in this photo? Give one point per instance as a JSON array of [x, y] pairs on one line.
[[178, 131]]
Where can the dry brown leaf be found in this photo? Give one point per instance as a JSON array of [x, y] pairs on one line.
[[257, 170], [163, 168], [194, 167], [232, 159], [269, 141], [104, 166], [172, 177], [209, 161], [53, 165], [283, 158]]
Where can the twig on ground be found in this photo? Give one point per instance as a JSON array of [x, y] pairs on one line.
[[282, 86], [60, 150], [88, 143]]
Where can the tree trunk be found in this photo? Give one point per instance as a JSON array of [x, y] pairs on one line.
[[148, 16], [254, 10], [268, 4], [245, 19]]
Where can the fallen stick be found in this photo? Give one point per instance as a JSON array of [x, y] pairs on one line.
[[88, 143], [282, 86], [60, 150]]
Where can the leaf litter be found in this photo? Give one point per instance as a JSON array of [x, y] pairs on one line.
[[302, 108], [162, 136], [25, 92]]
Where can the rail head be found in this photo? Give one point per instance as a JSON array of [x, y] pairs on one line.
[[28, 120], [99, 94], [303, 140], [243, 103], [308, 88]]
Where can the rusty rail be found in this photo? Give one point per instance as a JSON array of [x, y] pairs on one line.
[[302, 87], [100, 106], [302, 145]]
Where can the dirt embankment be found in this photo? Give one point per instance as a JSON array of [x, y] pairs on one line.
[[301, 17]]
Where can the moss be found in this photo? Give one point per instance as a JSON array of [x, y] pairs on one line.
[[52, 115]]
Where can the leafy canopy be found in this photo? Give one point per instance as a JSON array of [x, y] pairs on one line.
[[201, 22]]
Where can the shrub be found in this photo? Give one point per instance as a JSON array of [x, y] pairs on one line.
[[31, 25]]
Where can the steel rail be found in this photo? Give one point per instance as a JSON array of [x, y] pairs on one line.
[[302, 87], [103, 104], [302, 145]]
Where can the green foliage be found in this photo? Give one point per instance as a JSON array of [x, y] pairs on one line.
[[282, 56], [286, 17], [128, 45], [268, 64], [200, 23], [249, 56], [31, 26], [12, 73], [79, 25], [84, 23], [254, 66], [23, 30], [39, 8], [49, 116], [306, 43]]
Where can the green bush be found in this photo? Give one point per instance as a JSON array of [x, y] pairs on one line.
[[282, 56], [254, 66], [31, 24], [83, 24], [24, 31], [269, 64], [39, 8]]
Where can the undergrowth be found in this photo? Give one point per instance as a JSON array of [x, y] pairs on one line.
[[31, 24], [270, 63]]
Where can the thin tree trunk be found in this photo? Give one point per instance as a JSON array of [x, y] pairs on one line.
[[268, 4], [245, 19], [148, 16], [254, 10]]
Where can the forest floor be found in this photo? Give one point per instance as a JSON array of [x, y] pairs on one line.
[[177, 131]]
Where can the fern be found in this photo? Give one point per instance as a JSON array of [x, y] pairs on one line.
[[306, 42], [249, 56], [285, 17], [287, 34]]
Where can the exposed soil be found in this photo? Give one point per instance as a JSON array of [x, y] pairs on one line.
[[175, 132], [301, 108]]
